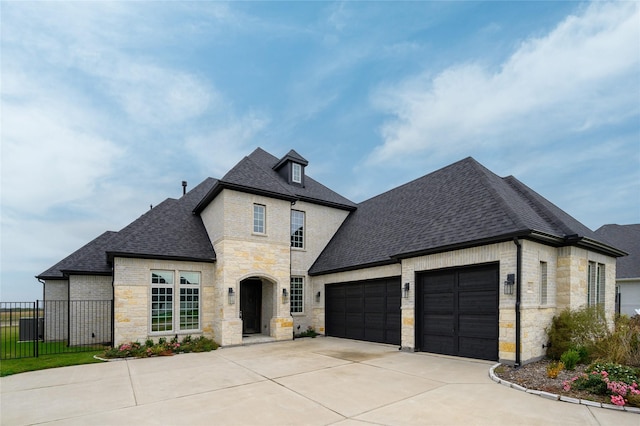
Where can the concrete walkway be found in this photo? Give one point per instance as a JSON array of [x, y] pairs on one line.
[[303, 382]]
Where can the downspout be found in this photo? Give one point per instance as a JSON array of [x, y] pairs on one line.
[[516, 241], [113, 304], [68, 311], [44, 309], [43, 284]]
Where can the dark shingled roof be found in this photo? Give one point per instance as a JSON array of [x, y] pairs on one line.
[[626, 237], [89, 259], [461, 205], [255, 174], [168, 231]]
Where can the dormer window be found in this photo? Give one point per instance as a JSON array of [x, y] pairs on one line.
[[291, 168], [296, 173]]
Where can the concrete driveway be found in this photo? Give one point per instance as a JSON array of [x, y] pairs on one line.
[[303, 382]]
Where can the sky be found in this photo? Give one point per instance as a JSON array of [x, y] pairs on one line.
[[106, 107]]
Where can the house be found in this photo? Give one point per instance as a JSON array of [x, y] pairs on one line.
[[626, 237], [459, 262]]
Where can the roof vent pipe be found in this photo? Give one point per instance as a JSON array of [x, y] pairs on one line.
[[184, 187]]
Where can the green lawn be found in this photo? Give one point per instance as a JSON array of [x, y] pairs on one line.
[[21, 359], [11, 348], [14, 366]]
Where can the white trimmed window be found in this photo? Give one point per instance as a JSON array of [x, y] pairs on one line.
[[595, 284], [297, 293], [161, 301], [297, 229], [189, 300], [296, 172], [259, 219], [164, 311], [543, 283]]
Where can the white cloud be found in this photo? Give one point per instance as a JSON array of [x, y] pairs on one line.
[[222, 147], [51, 152], [150, 94], [581, 75]]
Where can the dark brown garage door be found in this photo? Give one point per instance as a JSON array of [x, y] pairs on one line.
[[364, 310], [457, 312]]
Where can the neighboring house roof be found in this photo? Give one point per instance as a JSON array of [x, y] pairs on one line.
[[255, 174], [627, 237], [461, 205], [89, 259]]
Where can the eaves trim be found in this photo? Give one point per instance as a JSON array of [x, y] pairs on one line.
[[240, 188], [354, 267], [113, 255]]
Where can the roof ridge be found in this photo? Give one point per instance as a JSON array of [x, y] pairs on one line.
[[541, 209], [484, 173], [267, 173]]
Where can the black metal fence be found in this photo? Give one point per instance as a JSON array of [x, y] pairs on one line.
[[30, 329]]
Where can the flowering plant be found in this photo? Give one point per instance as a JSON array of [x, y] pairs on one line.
[[162, 347], [600, 382]]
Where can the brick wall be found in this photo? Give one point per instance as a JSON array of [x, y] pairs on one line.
[[55, 313], [90, 309]]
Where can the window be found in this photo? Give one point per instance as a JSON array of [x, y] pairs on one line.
[[297, 284], [161, 301], [595, 284], [189, 300], [259, 223], [162, 306], [296, 172], [297, 229], [543, 283]]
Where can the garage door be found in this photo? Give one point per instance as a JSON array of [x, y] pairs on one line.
[[364, 310], [457, 312]]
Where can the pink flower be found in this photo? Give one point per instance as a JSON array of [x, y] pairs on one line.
[[617, 400]]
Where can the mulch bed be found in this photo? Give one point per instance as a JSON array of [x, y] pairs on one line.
[[534, 376]]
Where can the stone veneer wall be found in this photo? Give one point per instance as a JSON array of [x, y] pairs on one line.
[[132, 287], [572, 279], [243, 254], [321, 224]]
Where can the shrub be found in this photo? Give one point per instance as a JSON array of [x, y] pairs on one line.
[[584, 354], [554, 368], [188, 344], [570, 359], [593, 382], [310, 332], [574, 329], [623, 345]]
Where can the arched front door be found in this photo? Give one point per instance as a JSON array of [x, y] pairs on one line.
[[251, 305]]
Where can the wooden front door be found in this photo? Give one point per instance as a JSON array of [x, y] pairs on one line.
[[250, 305]]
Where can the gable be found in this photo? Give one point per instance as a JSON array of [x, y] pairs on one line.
[[257, 174]]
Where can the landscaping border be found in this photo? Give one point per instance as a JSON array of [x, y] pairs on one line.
[[553, 396]]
